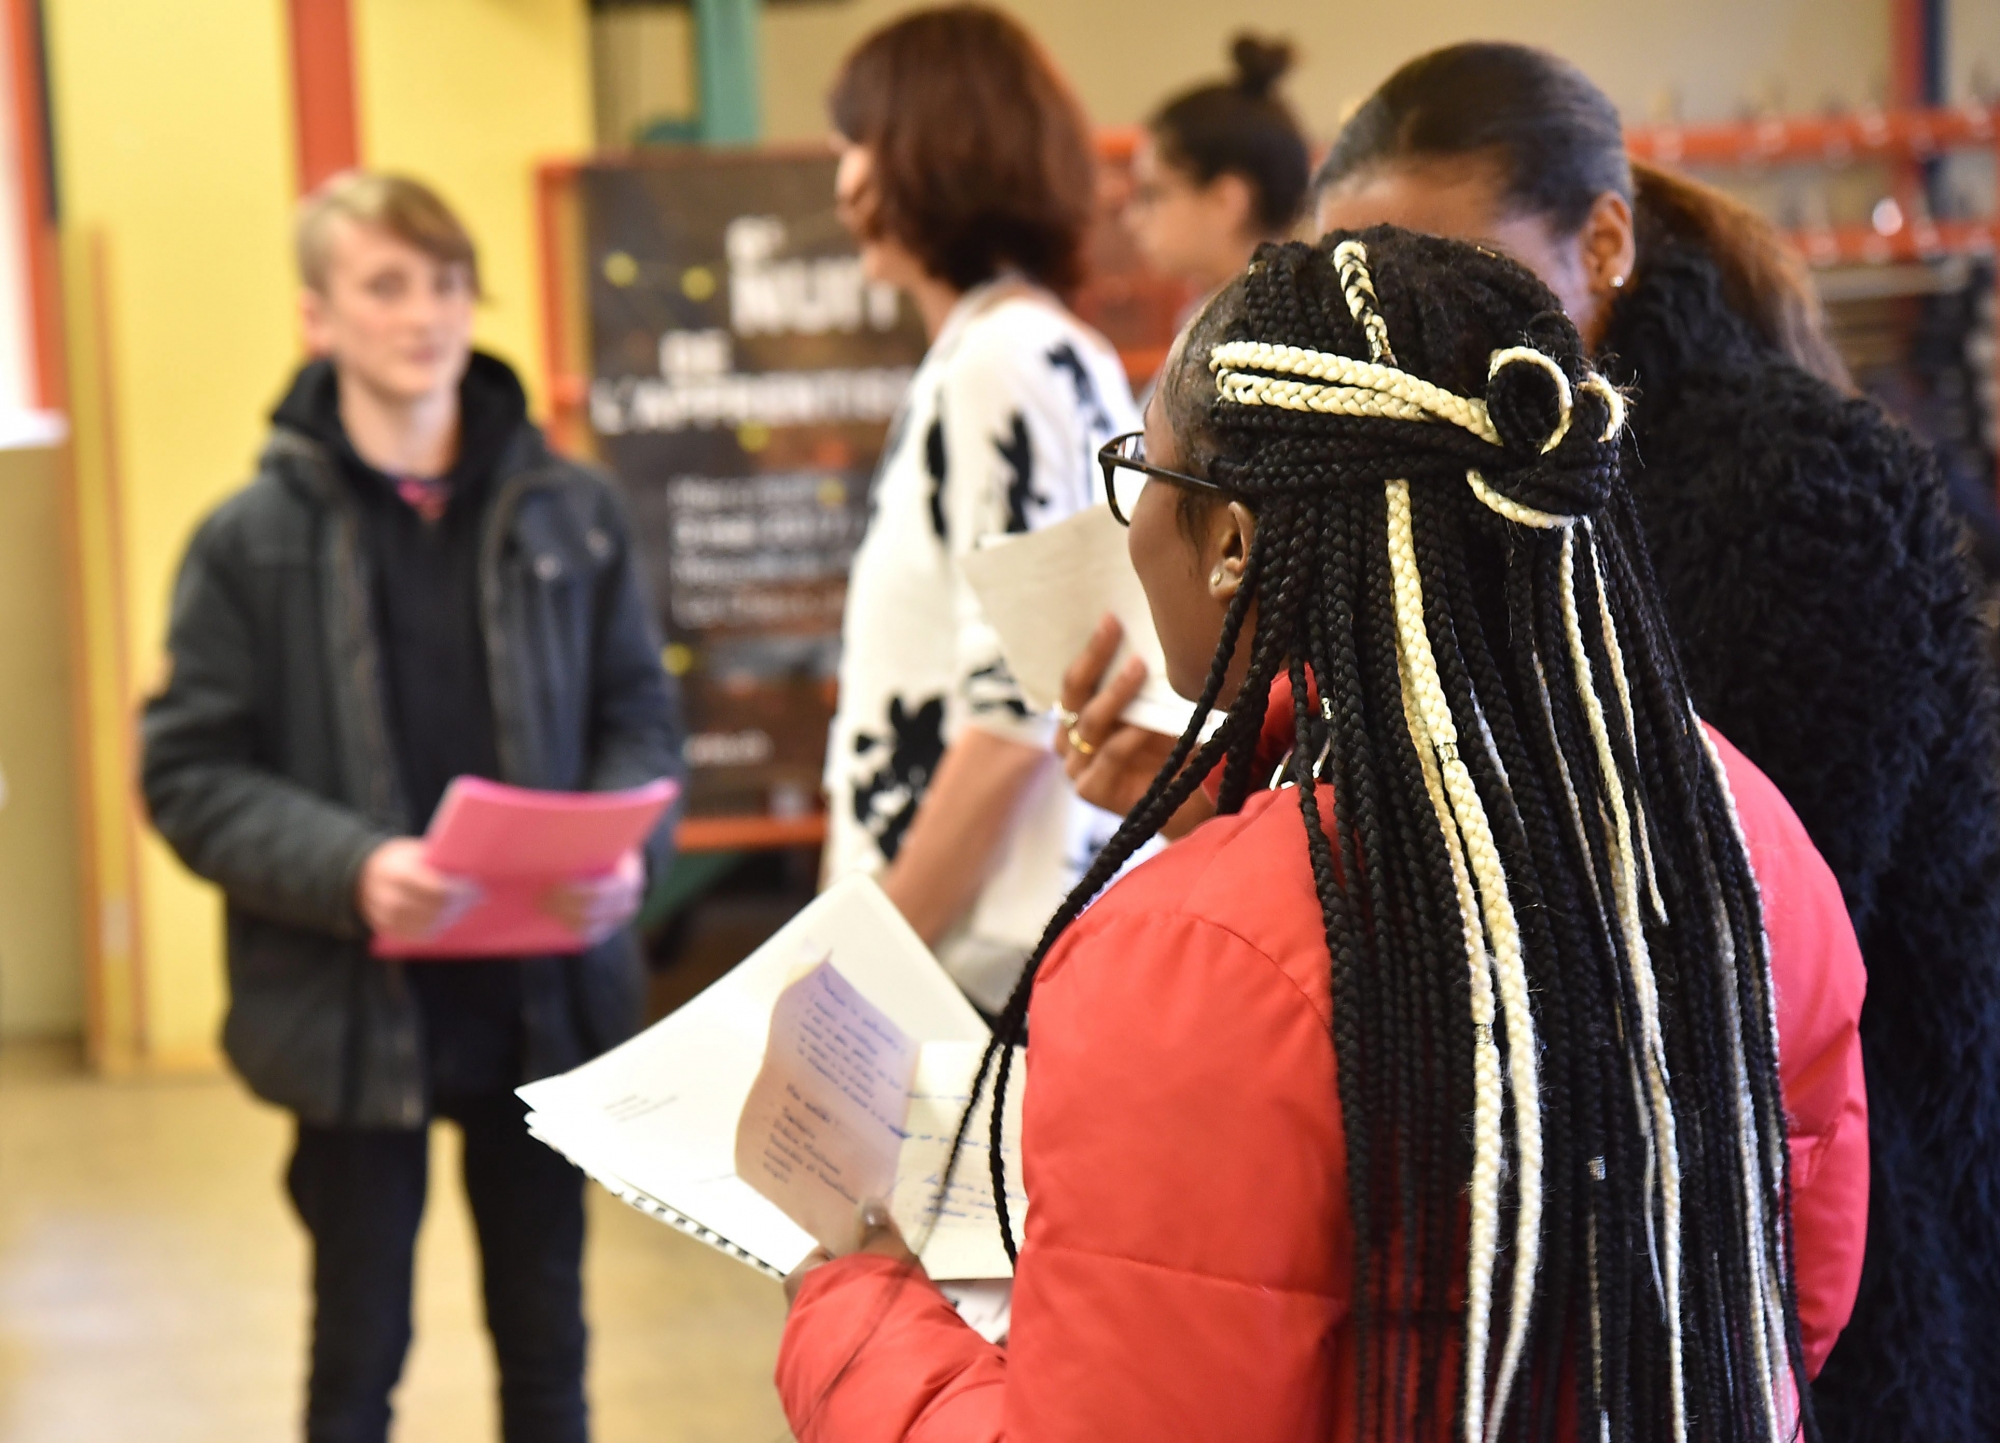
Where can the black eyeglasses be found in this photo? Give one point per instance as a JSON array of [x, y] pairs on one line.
[[1126, 472]]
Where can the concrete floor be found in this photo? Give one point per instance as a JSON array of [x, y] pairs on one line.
[[152, 1285]]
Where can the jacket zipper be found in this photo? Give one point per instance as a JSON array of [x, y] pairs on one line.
[[384, 790], [508, 722], [510, 740]]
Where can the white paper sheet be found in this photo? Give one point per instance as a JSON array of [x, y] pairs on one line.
[[1046, 591], [961, 1239], [656, 1119], [822, 1129]]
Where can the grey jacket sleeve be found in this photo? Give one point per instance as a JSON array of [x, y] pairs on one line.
[[273, 846], [635, 706]]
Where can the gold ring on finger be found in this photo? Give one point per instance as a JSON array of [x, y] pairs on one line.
[[1078, 744]]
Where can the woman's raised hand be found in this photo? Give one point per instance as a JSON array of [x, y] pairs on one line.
[[1110, 761]]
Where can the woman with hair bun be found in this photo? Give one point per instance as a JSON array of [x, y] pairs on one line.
[[1220, 169], [1486, 1070]]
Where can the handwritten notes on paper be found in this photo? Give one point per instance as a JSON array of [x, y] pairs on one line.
[[848, 1107], [961, 1237], [667, 1120], [823, 1125]]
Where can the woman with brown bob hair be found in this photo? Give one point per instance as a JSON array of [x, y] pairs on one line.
[[966, 174], [981, 154]]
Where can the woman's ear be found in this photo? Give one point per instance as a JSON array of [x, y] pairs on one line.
[[856, 200], [1607, 250], [1230, 531], [1231, 194]]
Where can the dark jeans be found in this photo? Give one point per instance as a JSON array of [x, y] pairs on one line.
[[360, 1193]]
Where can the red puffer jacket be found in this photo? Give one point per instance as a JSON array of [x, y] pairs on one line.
[[1187, 1269]]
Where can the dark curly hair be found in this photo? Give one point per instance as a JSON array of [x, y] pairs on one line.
[[1552, 1002], [982, 152]]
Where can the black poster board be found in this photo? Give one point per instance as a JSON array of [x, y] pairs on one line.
[[743, 377]]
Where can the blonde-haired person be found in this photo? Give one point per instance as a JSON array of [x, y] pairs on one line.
[[412, 588]]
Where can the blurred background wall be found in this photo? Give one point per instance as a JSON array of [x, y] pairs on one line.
[[1699, 60], [150, 159], [1705, 57]]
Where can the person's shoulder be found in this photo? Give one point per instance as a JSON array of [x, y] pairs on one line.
[[1031, 334], [1822, 496], [1241, 883], [1767, 819], [581, 487], [1028, 350], [573, 473], [268, 510], [1800, 892], [1786, 436]]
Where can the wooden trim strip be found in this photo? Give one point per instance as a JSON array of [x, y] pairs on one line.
[[750, 834], [323, 95]]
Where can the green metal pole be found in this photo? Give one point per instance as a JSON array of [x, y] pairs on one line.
[[725, 38]]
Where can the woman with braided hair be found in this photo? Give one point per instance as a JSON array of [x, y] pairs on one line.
[[1813, 574], [1810, 565], [1486, 1069]]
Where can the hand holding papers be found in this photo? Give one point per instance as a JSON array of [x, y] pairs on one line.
[[831, 1064], [512, 847], [848, 1107], [822, 1127], [1044, 593]]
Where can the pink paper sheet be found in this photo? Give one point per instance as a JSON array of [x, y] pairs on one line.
[[514, 844]]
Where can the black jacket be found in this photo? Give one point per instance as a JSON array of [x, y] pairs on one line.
[[425, 573], [1824, 614], [269, 769]]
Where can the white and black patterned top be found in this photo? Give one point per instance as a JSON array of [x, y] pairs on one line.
[[999, 434]]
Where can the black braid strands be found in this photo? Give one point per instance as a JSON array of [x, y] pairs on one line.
[[1552, 1005]]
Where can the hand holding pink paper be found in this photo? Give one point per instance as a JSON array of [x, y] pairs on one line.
[[595, 907], [531, 872], [402, 895]]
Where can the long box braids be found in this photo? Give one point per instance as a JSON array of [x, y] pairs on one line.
[[1552, 1004]]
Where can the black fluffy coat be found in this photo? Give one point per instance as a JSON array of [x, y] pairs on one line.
[[1813, 574]]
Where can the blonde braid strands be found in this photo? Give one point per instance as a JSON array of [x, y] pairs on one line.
[[1531, 893]]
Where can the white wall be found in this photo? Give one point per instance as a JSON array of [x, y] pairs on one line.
[[17, 346], [1709, 59], [1972, 48]]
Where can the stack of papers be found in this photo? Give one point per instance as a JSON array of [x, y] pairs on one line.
[[830, 1066]]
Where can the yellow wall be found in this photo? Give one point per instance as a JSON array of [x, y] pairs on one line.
[[41, 981], [174, 160], [469, 94], [173, 149]]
